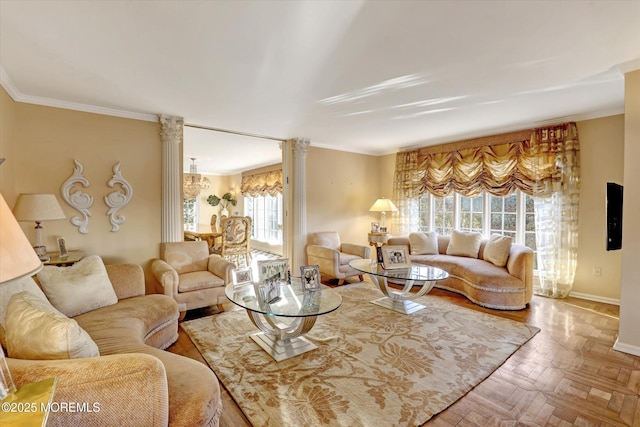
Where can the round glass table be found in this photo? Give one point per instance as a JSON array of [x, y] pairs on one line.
[[284, 320], [400, 300]]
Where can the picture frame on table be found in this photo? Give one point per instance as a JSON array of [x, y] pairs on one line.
[[375, 227], [62, 247], [269, 289], [382, 229], [310, 277], [379, 255], [395, 256], [267, 268], [242, 276]]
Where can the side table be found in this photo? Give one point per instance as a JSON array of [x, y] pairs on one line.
[[378, 239], [70, 259]]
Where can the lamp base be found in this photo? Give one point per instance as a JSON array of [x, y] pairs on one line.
[[41, 251]]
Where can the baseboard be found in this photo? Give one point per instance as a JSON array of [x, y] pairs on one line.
[[595, 298], [626, 348]]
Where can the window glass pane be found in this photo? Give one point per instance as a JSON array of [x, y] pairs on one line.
[[471, 213], [190, 214], [510, 222], [266, 218], [511, 203], [496, 222], [444, 215]]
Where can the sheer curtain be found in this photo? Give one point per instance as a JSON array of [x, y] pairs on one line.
[[556, 208], [543, 163]]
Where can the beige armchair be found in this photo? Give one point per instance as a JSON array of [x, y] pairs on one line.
[[191, 276], [333, 257]]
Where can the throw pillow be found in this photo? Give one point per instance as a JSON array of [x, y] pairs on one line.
[[36, 330], [496, 251], [83, 287], [7, 290], [464, 243], [424, 243]]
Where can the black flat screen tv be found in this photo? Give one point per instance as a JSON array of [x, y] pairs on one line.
[[614, 216]]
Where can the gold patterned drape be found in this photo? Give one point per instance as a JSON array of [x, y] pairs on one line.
[[543, 163], [262, 184]]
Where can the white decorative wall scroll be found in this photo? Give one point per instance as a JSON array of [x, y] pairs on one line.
[[79, 200], [116, 200]]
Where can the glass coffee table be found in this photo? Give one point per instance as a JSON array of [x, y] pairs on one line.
[[284, 321], [400, 300]]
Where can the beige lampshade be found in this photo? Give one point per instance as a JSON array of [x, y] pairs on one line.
[[37, 207], [17, 257], [383, 205]]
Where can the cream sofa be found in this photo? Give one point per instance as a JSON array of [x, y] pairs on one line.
[[502, 288], [133, 381]]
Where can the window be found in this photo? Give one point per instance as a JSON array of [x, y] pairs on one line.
[[512, 215], [190, 214], [266, 216]]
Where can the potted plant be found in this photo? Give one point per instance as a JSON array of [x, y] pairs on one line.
[[224, 201]]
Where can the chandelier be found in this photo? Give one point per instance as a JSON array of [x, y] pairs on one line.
[[193, 182]]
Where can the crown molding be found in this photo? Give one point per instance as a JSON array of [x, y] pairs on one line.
[[627, 67], [17, 96]]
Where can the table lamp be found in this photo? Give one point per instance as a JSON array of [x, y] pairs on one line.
[[17, 259], [38, 208], [383, 206]]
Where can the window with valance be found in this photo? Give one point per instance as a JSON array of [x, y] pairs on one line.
[[262, 184], [542, 163]]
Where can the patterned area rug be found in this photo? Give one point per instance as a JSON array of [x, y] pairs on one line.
[[373, 366]]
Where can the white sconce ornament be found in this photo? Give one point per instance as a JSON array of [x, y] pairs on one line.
[[79, 200], [116, 200]]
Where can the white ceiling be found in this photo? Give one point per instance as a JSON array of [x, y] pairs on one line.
[[364, 76]]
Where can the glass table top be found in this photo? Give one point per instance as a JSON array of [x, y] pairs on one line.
[[293, 300], [417, 272]]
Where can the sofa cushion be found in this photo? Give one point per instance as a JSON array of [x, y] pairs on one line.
[[80, 288], [464, 243], [475, 271], [197, 280], [36, 330], [10, 288], [424, 243], [347, 258], [497, 249]]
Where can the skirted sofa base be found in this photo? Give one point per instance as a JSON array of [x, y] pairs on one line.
[[485, 284], [134, 381]]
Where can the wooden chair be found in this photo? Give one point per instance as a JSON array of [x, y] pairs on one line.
[[236, 238]]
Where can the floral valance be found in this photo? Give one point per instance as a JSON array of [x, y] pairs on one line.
[[533, 161], [262, 184]]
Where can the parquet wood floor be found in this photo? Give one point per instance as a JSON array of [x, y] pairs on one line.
[[567, 375]]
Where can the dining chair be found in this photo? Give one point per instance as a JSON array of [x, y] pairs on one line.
[[236, 238], [214, 219]]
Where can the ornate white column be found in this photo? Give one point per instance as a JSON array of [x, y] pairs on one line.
[[171, 134], [298, 203]]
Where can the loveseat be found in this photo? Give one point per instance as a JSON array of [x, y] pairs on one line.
[[486, 284], [133, 381]]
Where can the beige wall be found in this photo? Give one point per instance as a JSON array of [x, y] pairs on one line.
[[629, 338], [341, 187], [42, 147], [601, 161], [7, 135]]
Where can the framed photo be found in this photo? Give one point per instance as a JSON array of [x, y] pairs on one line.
[[269, 290], [375, 227], [382, 229], [267, 268], [310, 276], [242, 276], [379, 255], [395, 256], [62, 246]]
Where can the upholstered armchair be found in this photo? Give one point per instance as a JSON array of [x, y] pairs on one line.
[[191, 276], [333, 257]]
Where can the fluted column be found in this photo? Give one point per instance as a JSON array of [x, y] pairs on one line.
[[171, 134], [299, 148]]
